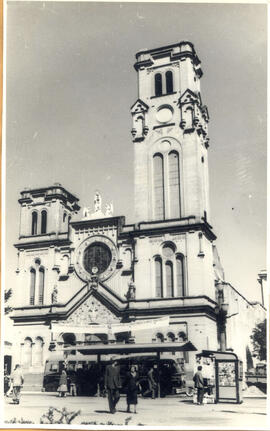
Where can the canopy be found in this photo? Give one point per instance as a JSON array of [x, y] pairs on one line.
[[133, 348]]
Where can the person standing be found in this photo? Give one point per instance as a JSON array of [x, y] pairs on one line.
[[62, 389], [199, 385], [17, 380], [132, 385], [73, 383], [112, 384], [152, 383]]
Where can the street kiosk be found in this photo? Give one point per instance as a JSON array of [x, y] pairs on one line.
[[223, 376]]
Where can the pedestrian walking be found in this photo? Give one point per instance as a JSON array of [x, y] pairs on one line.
[[73, 383], [112, 384], [17, 381], [199, 384], [62, 388], [132, 387], [152, 383]]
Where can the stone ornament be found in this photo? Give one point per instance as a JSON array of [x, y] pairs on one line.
[[89, 214], [91, 311]]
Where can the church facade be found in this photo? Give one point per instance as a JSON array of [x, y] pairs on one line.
[[100, 274]]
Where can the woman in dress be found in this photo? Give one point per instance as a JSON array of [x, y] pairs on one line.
[[132, 386], [62, 389]]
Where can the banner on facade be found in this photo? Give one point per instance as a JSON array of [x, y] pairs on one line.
[[111, 328]]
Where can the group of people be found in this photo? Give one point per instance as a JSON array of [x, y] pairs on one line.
[[113, 383]]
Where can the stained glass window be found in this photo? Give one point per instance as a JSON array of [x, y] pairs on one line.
[[97, 255]]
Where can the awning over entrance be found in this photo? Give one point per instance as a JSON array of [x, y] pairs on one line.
[[132, 348]]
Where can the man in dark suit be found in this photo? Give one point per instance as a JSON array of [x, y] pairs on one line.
[[113, 384], [198, 381]]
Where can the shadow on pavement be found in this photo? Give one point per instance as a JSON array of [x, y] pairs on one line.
[[102, 411]]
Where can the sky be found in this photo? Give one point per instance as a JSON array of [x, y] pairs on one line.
[[70, 85]]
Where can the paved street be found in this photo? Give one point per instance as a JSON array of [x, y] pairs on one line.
[[160, 412]]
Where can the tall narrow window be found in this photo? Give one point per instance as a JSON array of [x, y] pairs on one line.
[[41, 286], [158, 276], [32, 285], [169, 279], [37, 352], [174, 185], [34, 223], [159, 210], [43, 221], [27, 353], [169, 82], [180, 291], [158, 84]]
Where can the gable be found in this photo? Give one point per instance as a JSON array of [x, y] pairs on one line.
[[139, 106], [189, 97], [91, 311]]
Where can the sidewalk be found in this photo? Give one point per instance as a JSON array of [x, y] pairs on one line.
[[159, 412]]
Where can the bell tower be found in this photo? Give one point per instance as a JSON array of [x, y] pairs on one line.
[[170, 136]]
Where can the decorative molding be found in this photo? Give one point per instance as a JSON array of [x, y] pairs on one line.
[[91, 311]]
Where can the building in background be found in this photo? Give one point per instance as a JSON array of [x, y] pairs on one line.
[[96, 279]]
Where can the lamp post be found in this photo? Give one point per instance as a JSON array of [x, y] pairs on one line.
[[221, 311]]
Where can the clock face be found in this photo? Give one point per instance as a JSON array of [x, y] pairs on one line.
[[97, 258], [164, 114]]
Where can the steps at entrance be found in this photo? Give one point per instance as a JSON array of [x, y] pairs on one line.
[[33, 382]]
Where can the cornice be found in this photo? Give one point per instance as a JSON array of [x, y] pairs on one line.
[[169, 226], [40, 243]]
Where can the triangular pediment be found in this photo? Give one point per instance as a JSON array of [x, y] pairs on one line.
[[91, 311], [139, 106], [189, 97]]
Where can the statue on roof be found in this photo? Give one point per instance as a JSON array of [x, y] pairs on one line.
[[88, 214]]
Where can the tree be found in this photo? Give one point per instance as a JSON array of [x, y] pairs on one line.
[[7, 296], [258, 339]]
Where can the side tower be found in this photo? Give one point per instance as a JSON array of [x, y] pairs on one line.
[[170, 136], [44, 243], [174, 265]]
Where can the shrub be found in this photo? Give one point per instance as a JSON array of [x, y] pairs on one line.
[[56, 416]]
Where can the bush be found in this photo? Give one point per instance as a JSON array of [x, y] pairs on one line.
[[56, 416]]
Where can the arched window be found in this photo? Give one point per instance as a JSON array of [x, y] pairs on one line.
[[37, 353], [158, 84], [41, 286], [160, 337], [159, 210], [69, 339], [158, 277], [169, 279], [171, 337], [169, 82], [180, 291], [34, 223], [189, 118], [139, 124], [64, 217], [64, 265], [43, 221], [182, 337], [32, 285], [174, 184], [27, 353], [127, 259]]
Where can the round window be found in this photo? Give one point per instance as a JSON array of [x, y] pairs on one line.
[[97, 258], [168, 251], [164, 114]]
